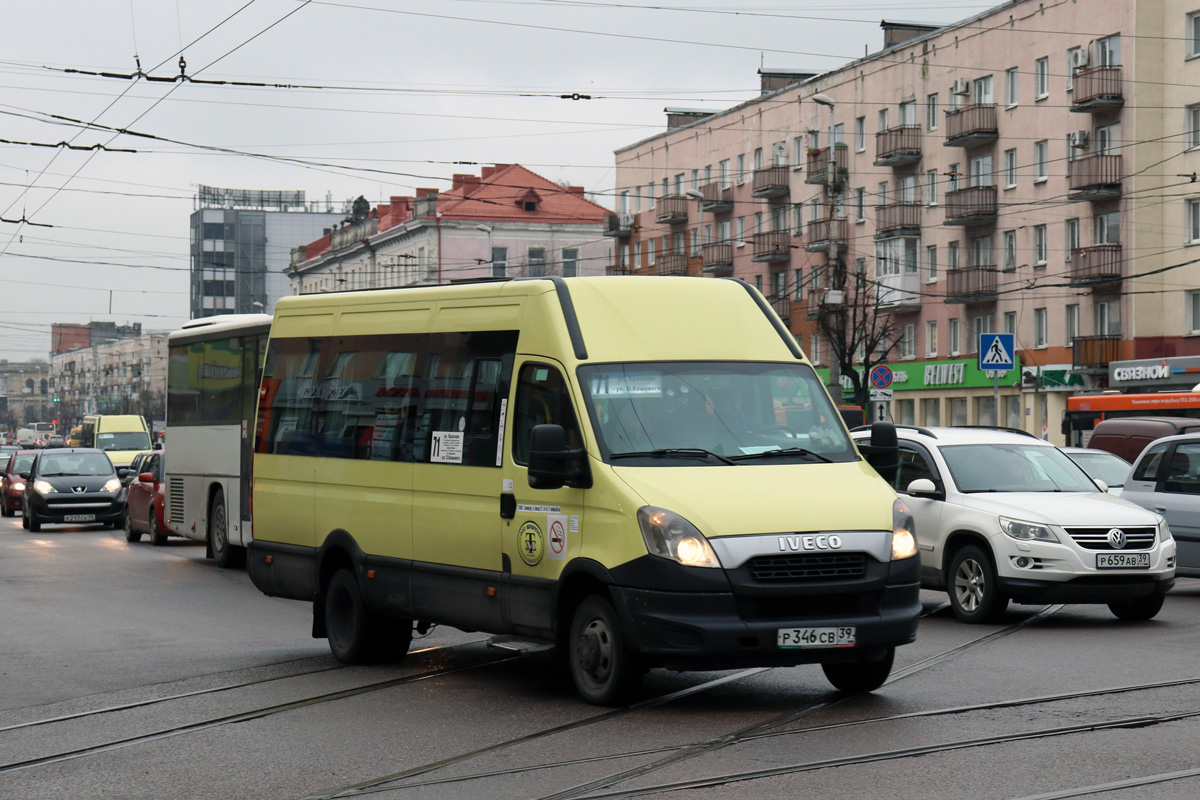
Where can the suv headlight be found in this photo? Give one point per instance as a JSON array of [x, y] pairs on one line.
[[669, 535], [904, 538], [1164, 531], [43, 487], [1027, 531], [113, 486]]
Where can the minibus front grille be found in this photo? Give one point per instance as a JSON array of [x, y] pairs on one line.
[[794, 607], [808, 567]]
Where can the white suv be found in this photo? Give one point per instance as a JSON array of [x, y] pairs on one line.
[[1006, 516]]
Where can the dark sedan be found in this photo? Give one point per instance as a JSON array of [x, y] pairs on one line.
[[12, 484], [72, 486]]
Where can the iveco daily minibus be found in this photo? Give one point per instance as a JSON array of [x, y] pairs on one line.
[[643, 471]]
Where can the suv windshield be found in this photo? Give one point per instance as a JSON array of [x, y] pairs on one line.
[[74, 464], [712, 413], [1014, 468], [135, 440]]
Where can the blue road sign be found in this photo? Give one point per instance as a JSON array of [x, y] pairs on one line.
[[881, 377], [997, 351]]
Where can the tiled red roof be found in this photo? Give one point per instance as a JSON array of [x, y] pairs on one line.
[[501, 192]]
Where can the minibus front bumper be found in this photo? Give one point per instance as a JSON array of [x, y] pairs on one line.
[[741, 627]]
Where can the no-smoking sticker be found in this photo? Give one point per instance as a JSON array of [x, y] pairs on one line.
[[556, 533]]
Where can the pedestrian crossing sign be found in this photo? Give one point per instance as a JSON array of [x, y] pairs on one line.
[[996, 351]]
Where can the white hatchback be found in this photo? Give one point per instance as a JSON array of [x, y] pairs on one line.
[[1005, 516]]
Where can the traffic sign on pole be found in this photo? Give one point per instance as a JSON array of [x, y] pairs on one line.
[[881, 377], [997, 351]]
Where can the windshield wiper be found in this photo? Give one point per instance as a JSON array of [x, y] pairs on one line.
[[673, 452], [785, 451]]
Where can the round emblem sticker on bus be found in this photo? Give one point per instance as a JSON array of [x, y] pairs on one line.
[[531, 544]]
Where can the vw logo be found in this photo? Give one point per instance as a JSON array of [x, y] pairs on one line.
[[1116, 538]]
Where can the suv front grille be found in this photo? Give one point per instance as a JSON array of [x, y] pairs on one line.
[[800, 568], [1140, 538]]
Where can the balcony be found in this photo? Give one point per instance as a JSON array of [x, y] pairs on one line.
[[783, 307], [896, 147], [1094, 177], [671, 264], [617, 269], [971, 125], [717, 258], [816, 301], [717, 198], [897, 219], [1095, 352], [898, 294], [672, 209], [620, 225], [1098, 265], [771, 181], [773, 246], [1097, 89], [975, 205], [828, 235], [818, 169], [971, 285]]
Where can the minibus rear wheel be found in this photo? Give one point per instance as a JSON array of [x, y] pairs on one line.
[[860, 676], [605, 671], [356, 634]]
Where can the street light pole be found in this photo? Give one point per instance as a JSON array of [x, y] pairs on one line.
[[491, 260], [835, 370]]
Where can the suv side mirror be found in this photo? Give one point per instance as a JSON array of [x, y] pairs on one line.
[[883, 450], [923, 487], [551, 464]]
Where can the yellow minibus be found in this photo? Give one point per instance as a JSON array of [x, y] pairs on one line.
[[641, 471]]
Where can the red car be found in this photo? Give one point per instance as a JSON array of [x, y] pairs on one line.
[[144, 502], [12, 485]]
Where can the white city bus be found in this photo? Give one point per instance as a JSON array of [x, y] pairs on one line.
[[212, 392]]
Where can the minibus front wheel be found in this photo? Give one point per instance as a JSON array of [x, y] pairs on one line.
[[356, 634], [606, 672], [860, 676]]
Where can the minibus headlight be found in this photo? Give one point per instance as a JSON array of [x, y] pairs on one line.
[[904, 540], [1027, 531], [43, 487], [669, 535]]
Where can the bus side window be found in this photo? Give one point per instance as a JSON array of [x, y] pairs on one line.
[[542, 398]]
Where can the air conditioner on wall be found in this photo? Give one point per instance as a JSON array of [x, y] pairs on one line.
[[1079, 58], [1079, 139], [960, 86]]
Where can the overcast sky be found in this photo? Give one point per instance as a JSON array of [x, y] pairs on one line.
[[403, 91]]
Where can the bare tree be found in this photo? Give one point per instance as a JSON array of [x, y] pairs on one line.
[[859, 332]]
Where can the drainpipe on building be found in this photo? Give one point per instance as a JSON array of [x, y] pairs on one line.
[[437, 215]]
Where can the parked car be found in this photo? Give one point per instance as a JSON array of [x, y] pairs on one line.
[[1127, 437], [144, 501], [1101, 465], [12, 484], [72, 485], [1005, 516], [1166, 479]]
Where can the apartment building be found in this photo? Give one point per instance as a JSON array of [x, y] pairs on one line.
[[1029, 170], [126, 375], [505, 222]]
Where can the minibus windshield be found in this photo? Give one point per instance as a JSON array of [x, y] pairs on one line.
[[713, 414]]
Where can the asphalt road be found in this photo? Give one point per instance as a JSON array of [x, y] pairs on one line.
[[132, 671]]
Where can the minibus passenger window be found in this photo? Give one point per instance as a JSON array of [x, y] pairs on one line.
[[543, 397]]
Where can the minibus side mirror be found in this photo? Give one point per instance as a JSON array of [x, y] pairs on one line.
[[883, 450], [551, 464]]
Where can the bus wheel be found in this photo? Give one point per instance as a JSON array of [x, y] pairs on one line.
[[130, 534], [860, 676], [605, 671], [223, 553], [356, 634]]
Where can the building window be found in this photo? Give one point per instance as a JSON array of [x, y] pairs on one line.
[[1072, 60], [797, 283], [1071, 234], [798, 151], [1010, 168], [1108, 51], [931, 179], [1192, 298], [931, 265], [907, 343], [1010, 87], [651, 251], [981, 171], [814, 348], [1010, 322], [860, 134], [883, 120], [758, 282], [650, 195], [1039, 245], [860, 204], [779, 284], [952, 255], [1107, 318], [537, 261], [1040, 150], [979, 326], [1072, 322], [1041, 78], [952, 336], [1192, 124], [1193, 221], [981, 91], [931, 111], [758, 158], [1039, 327], [931, 342], [741, 231], [981, 252], [881, 197], [741, 169], [695, 241], [1106, 228], [954, 175]]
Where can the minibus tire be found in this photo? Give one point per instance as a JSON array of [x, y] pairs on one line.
[[855, 677], [978, 599], [356, 634], [605, 671], [1139, 610]]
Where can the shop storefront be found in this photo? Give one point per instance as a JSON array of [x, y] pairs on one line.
[[1177, 374]]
